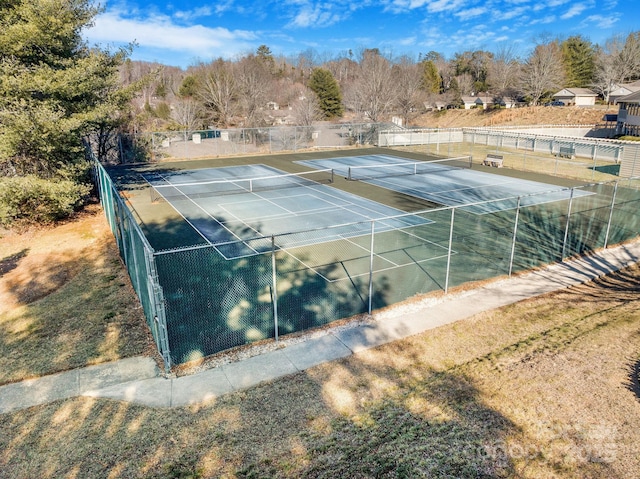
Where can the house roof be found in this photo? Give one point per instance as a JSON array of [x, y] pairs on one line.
[[631, 98], [574, 92]]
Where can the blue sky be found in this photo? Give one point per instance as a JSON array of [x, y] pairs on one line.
[[188, 31]]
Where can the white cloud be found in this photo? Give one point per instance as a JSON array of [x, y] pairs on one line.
[[602, 21], [575, 10], [195, 13], [160, 32], [471, 13], [408, 41], [512, 13], [556, 3], [547, 19], [316, 16], [435, 6]]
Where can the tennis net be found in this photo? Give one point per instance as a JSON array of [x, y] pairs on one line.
[[206, 189], [368, 172]]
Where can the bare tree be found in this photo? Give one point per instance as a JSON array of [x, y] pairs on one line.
[[465, 84], [374, 90], [409, 95], [542, 72], [503, 72], [254, 81], [306, 110], [617, 61], [219, 92], [186, 113]]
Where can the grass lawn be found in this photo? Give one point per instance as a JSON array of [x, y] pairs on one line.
[[544, 388], [66, 300]]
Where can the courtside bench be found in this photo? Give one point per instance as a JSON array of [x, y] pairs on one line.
[[566, 152], [493, 160]]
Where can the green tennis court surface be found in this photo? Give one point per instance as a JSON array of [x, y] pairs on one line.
[[448, 182], [230, 205], [241, 247]]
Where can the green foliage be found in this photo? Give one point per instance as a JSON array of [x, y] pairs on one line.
[[189, 87], [431, 80], [54, 90], [29, 199], [578, 58], [163, 111], [326, 88]]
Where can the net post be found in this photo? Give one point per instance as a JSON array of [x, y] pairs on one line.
[[275, 287], [446, 281], [371, 267], [515, 235], [613, 204], [566, 229]]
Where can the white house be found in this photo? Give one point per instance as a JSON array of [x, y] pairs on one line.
[[469, 102], [629, 115], [484, 101], [619, 91], [576, 96]]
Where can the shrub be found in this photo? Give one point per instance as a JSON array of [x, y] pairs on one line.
[[30, 199]]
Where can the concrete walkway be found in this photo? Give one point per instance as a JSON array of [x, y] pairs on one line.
[[139, 380]]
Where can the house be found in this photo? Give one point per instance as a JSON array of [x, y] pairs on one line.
[[619, 91], [469, 102], [434, 106], [484, 101], [576, 96], [629, 115], [508, 102]]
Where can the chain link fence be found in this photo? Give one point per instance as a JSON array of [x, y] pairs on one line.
[[198, 303], [214, 142], [551, 150]]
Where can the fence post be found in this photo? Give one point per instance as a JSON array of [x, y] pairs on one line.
[[275, 287], [566, 229], [158, 306], [371, 268], [515, 234], [446, 281], [613, 203]]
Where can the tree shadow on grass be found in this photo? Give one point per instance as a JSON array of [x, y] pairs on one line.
[[11, 262], [63, 311], [432, 426], [633, 383]]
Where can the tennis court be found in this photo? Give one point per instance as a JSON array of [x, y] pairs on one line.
[[448, 182], [226, 251], [238, 209]]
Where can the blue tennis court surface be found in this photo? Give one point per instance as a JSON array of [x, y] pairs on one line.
[[249, 210], [446, 184]]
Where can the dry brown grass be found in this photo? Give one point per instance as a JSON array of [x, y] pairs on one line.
[[65, 300], [534, 115], [540, 389]]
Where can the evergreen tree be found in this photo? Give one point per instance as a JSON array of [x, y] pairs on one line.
[[578, 58], [326, 88], [431, 81], [54, 90]]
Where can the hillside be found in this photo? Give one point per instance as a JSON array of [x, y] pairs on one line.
[[534, 115]]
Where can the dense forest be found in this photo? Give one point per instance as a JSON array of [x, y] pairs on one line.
[[56, 92]]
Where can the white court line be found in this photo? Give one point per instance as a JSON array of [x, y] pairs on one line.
[[376, 271], [205, 211]]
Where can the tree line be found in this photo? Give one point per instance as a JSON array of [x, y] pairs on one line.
[[370, 85], [57, 92]]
